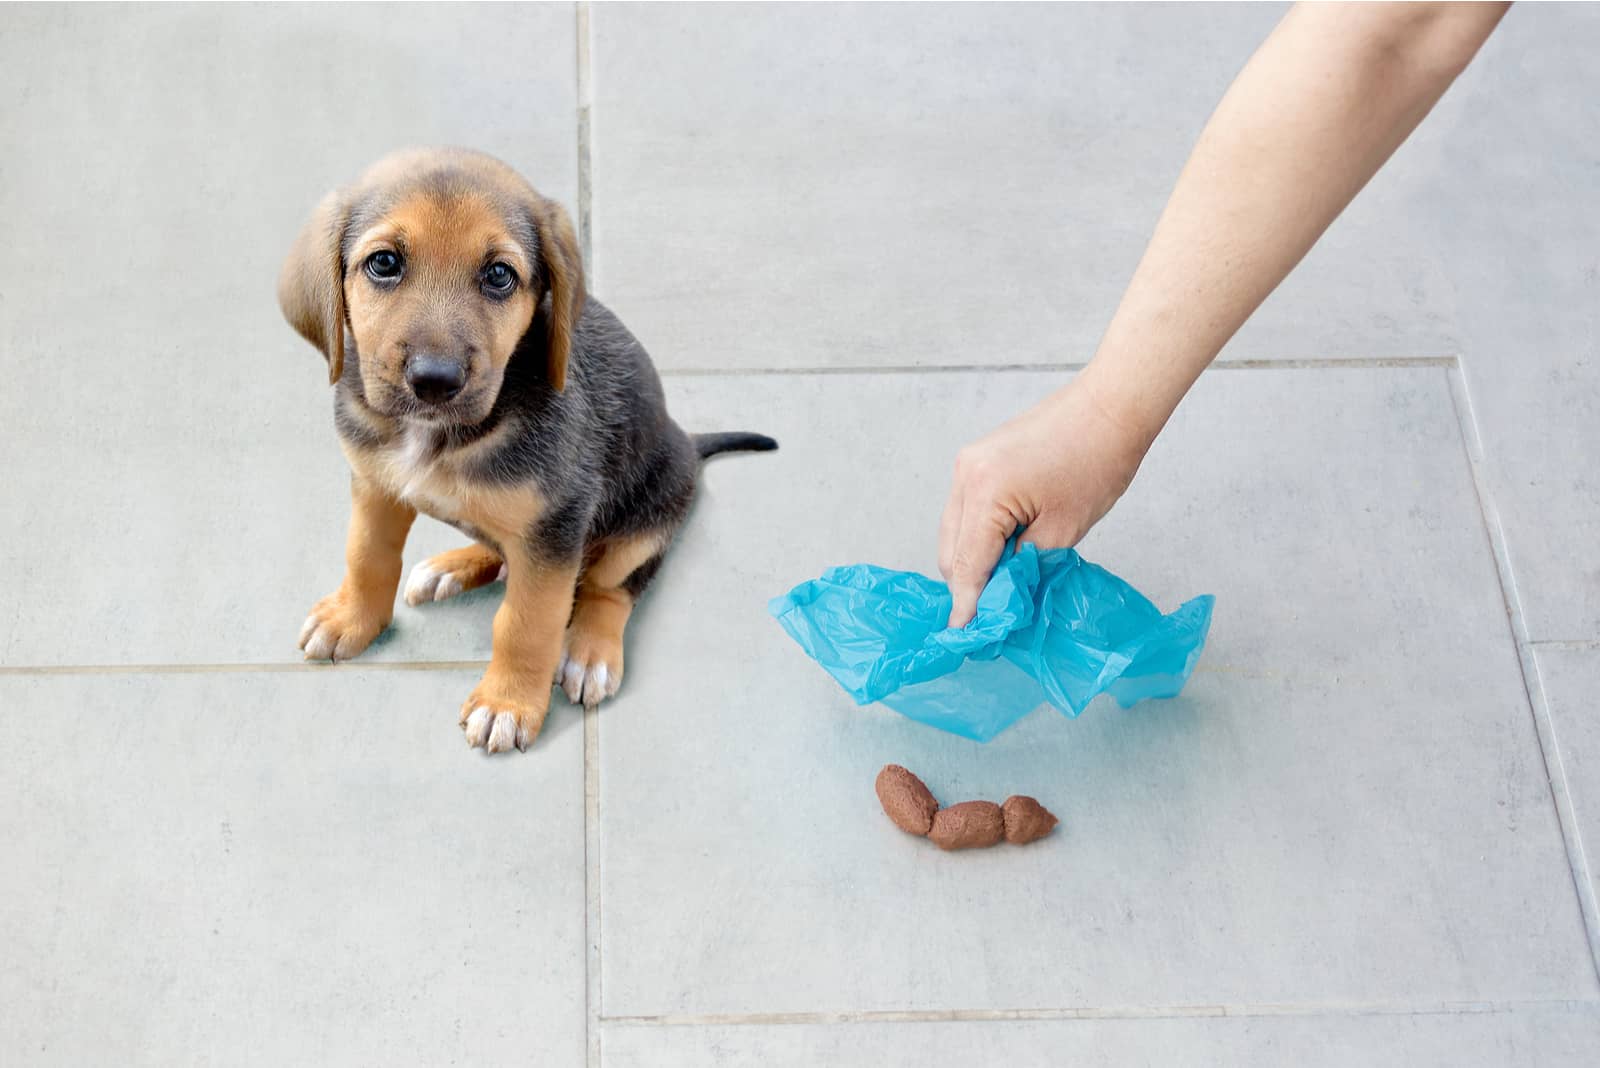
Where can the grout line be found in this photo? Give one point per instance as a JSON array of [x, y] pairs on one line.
[[591, 721], [1570, 644], [1310, 364], [1115, 1012], [591, 880], [1335, 363], [879, 369], [1532, 682], [224, 669], [585, 146]]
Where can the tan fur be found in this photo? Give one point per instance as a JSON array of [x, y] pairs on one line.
[[618, 558], [599, 620], [439, 488], [446, 245], [564, 268], [600, 615], [319, 289], [528, 631], [363, 605], [446, 236], [471, 565], [309, 287]]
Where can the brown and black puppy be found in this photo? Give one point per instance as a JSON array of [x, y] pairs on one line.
[[475, 383]]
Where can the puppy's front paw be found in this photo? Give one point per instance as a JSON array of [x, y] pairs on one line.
[[502, 713], [338, 629]]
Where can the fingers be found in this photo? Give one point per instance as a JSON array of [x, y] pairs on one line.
[[1050, 532], [949, 525], [980, 540]]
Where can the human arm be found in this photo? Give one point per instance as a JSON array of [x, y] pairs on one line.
[[1313, 115]]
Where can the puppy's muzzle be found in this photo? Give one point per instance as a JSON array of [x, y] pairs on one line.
[[435, 379]]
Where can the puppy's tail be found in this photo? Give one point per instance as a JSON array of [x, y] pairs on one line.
[[708, 445]]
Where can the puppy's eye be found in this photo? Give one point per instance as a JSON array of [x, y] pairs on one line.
[[384, 265], [499, 279]]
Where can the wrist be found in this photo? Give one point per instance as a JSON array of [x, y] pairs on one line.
[[1135, 414]]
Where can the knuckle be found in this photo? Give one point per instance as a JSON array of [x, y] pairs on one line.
[[970, 460]]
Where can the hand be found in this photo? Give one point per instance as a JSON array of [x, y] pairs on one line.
[[1055, 470]]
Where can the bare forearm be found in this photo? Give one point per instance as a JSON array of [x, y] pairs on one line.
[[1314, 114]]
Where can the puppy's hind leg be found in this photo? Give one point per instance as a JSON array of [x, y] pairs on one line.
[[441, 577], [591, 668]]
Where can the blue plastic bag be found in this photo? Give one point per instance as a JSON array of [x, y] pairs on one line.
[[1050, 627]]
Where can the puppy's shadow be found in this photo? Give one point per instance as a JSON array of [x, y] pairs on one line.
[[564, 716]]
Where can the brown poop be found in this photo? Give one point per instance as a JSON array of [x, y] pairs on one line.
[[1026, 820], [906, 800], [969, 825]]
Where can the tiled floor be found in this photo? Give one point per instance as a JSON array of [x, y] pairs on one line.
[[1364, 835]]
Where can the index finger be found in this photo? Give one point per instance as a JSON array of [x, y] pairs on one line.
[[980, 540]]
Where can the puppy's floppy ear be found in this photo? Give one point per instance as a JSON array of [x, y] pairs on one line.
[[311, 286], [563, 271]]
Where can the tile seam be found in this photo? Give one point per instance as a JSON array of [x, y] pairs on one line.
[[1527, 665], [1387, 363], [591, 725], [1112, 1012], [266, 667]]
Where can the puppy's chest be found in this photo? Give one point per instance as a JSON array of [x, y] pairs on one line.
[[416, 469], [433, 480]]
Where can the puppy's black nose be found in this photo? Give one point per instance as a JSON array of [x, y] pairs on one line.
[[435, 379]]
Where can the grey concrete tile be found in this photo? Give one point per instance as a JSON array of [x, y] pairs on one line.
[[943, 185], [1526, 1037], [1518, 223], [1347, 805], [173, 487], [155, 535], [865, 185], [283, 868], [1542, 457], [813, 175], [1571, 681]]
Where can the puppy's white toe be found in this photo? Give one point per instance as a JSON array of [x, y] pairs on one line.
[[587, 684], [597, 685], [421, 584], [525, 736], [503, 735], [572, 679], [322, 642], [478, 726], [448, 587]]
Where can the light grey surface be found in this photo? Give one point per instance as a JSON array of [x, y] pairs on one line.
[[849, 185], [168, 439], [1347, 804], [1539, 1037], [301, 867], [1344, 819], [1571, 682], [1519, 222], [824, 185]]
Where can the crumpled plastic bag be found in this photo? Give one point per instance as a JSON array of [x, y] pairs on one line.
[[1050, 627]]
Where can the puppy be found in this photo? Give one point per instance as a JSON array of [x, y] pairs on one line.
[[475, 383]]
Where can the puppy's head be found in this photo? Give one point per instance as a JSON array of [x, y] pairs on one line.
[[431, 270]]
